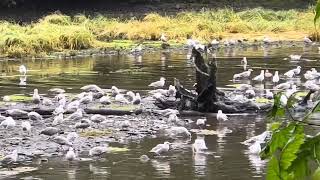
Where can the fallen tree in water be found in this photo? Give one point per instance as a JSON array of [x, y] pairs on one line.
[[206, 97]]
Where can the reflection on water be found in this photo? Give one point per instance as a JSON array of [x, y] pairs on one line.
[[226, 157], [162, 168]]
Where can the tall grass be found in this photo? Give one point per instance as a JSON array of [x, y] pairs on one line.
[[57, 32]]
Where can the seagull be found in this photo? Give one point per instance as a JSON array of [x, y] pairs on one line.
[[23, 81], [244, 74], [36, 97], [71, 155], [255, 148], [283, 86], [10, 158], [163, 38], [137, 49], [34, 116], [266, 40], [158, 84], [136, 99], [50, 131], [61, 141], [201, 122], [191, 42], [267, 74], [297, 70], [9, 122], [221, 116], [259, 77], [215, 42], [275, 78], [84, 124], [172, 90], [177, 131], [97, 151], [250, 93], [244, 62], [87, 99], [16, 112], [97, 118], [269, 94], [73, 105], [6, 98], [121, 99], [47, 102], [92, 88], [114, 91], [105, 100], [76, 115], [255, 141], [26, 126], [295, 57], [71, 137], [199, 144], [58, 119], [260, 138], [244, 87], [57, 90], [59, 110], [131, 95], [293, 89], [289, 74], [23, 70], [161, 148], [307, 40], [310, 85]]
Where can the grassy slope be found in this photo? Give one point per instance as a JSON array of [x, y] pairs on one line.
[[62, 33]]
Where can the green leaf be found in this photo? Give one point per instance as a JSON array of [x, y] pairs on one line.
[[299, 168], [317, 10], [277, 110], [290, 150], [278, 140], [273, 172], [316, 174]]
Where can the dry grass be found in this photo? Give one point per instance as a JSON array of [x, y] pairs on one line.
[[57, 32]]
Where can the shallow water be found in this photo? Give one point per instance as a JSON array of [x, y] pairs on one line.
[[226, 157]]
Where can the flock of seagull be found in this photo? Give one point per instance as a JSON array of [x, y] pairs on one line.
[[93, 92]]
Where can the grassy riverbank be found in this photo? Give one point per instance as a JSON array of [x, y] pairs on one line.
[[56, 32]]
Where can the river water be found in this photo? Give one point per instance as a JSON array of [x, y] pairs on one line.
[[226, 158]]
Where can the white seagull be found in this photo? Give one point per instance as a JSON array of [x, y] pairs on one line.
[[23, 70], [158, 84], [221, 116], [260, 77], [161, 148]]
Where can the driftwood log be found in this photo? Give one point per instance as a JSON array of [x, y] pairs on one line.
[[207, 98]]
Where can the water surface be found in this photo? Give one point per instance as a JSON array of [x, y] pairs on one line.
[[226, 158]]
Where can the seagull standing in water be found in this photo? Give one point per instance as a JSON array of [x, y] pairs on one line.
[[275, 78], [260, 77], [307, 40], [245, 63], [199, 144], [71, 155], [23, 70], [161, 148], [221, 116], [158, 84]]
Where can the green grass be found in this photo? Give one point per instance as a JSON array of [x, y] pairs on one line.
[[59, 33]]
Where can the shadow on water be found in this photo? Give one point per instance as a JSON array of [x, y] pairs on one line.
[[226, 157]]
